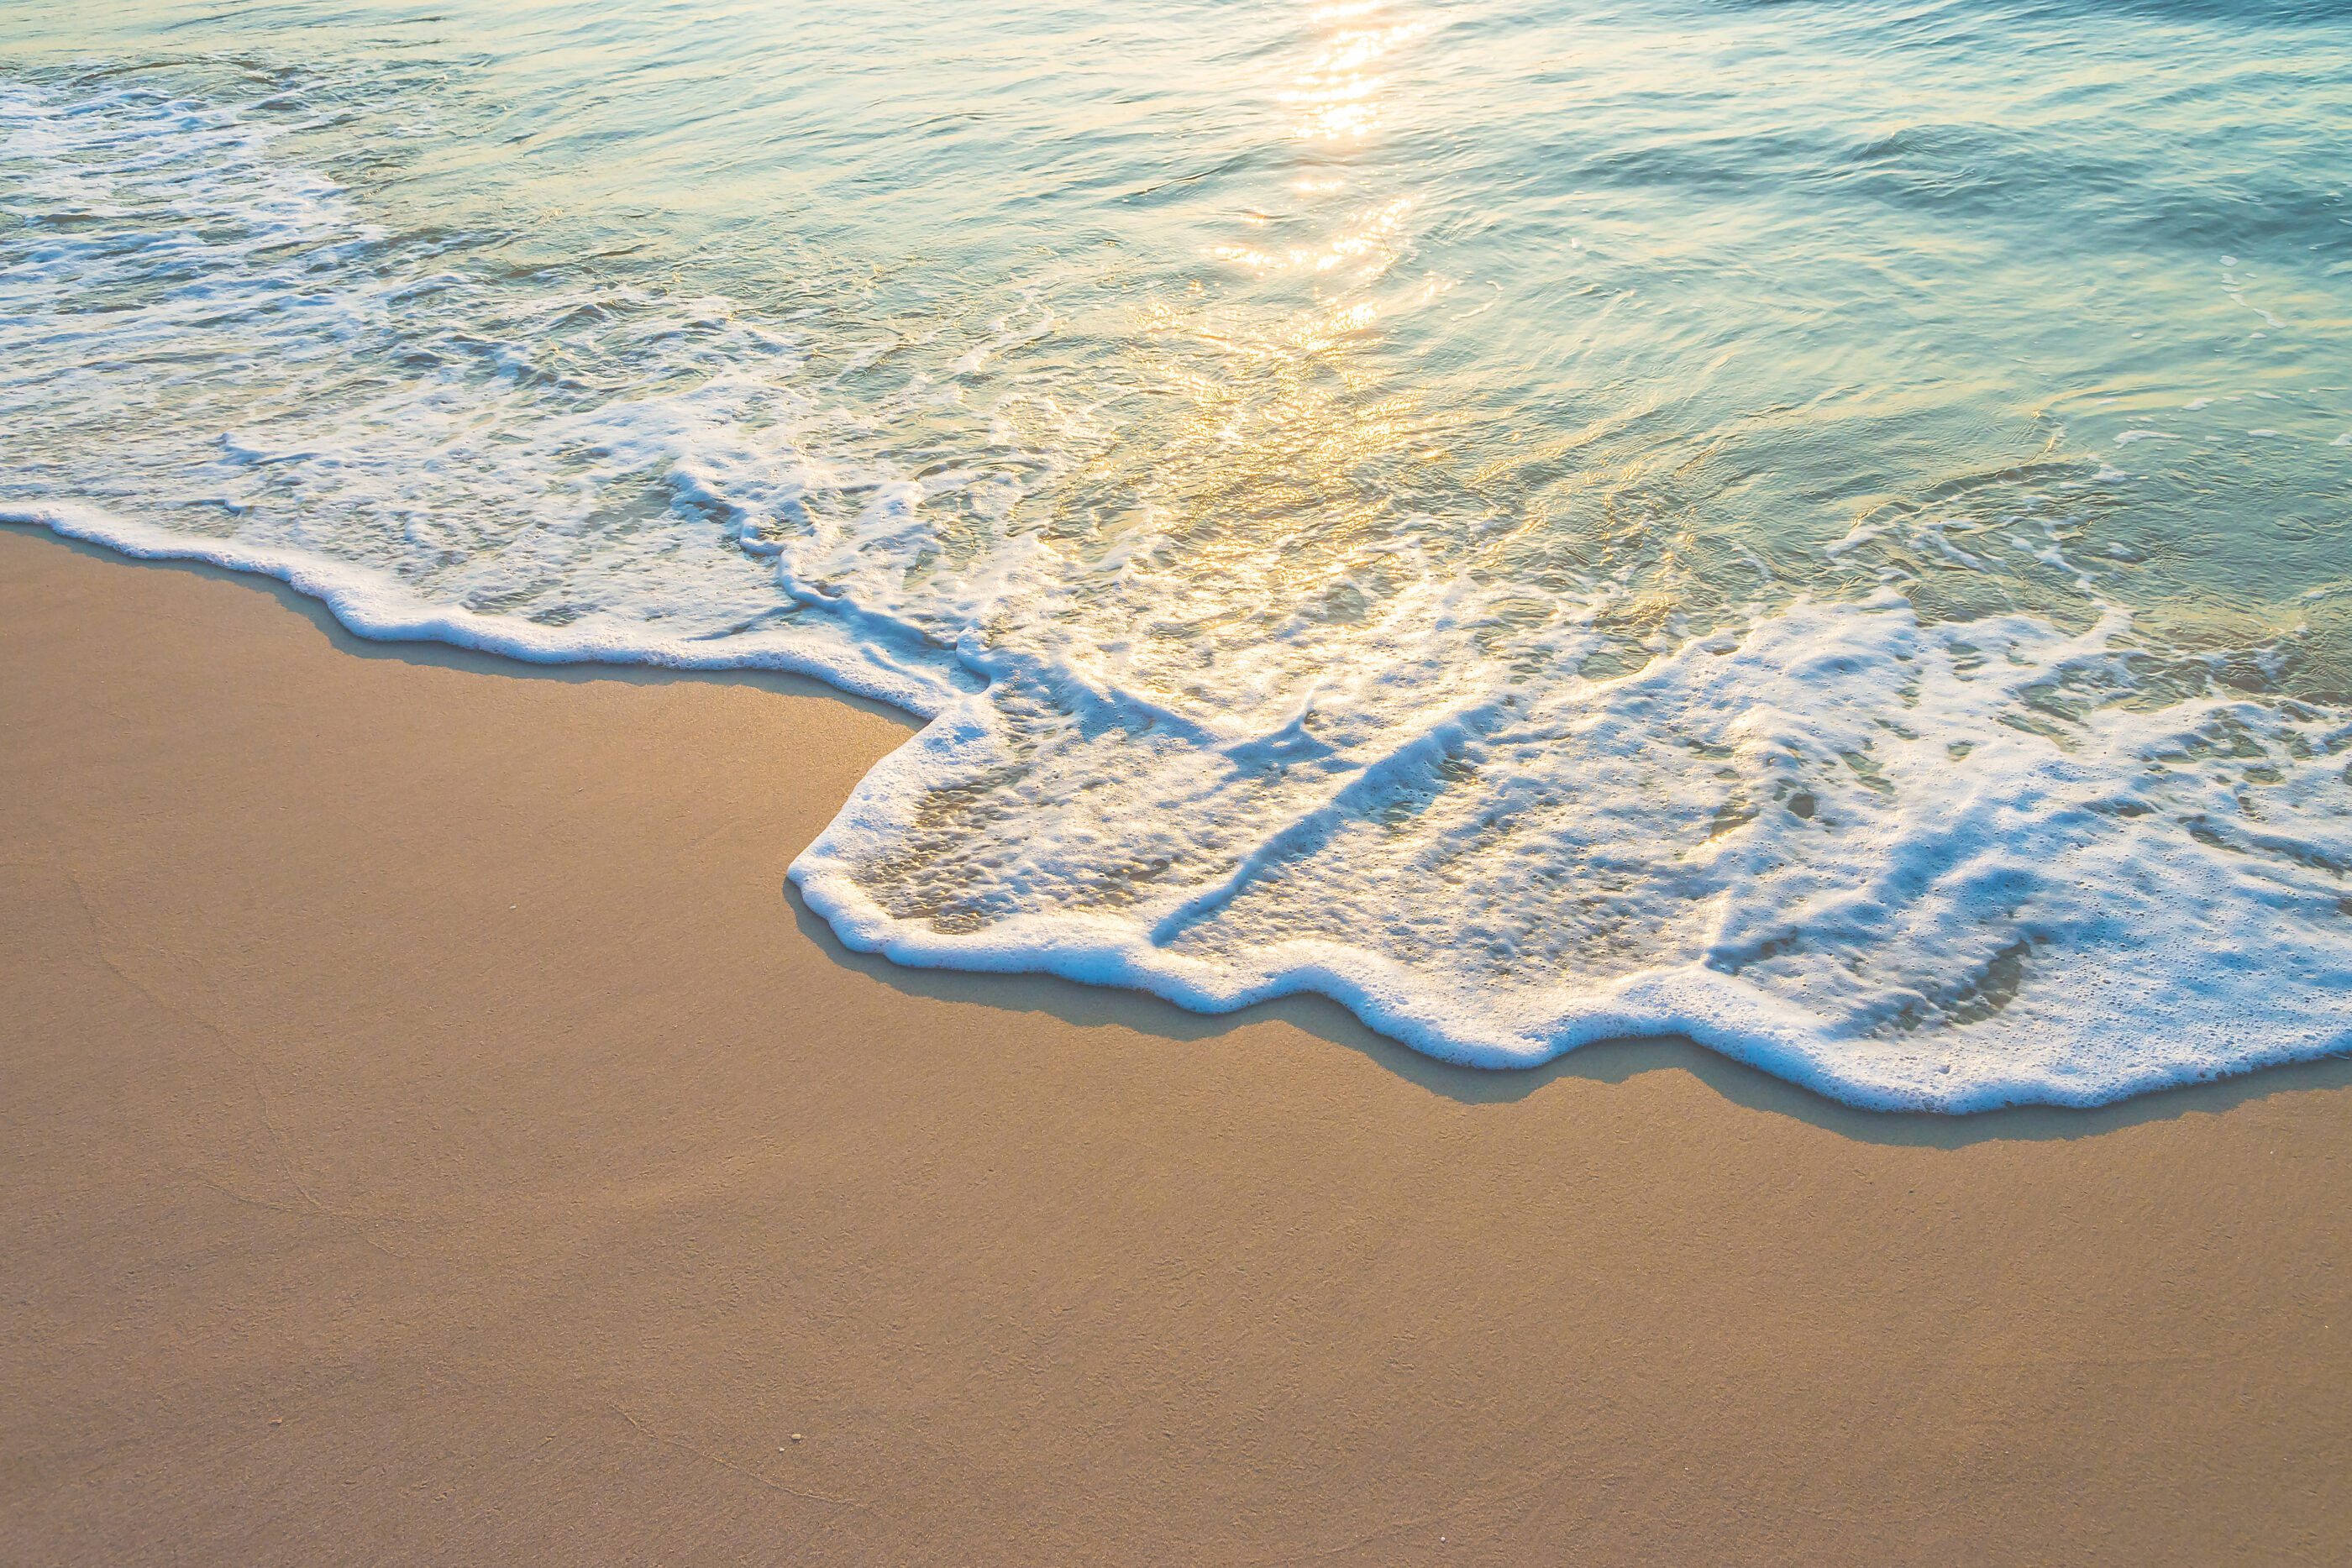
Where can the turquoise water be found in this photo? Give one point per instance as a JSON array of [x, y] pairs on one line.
[[1820, 528]]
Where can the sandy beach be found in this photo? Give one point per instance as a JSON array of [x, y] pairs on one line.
[[434, 1133]]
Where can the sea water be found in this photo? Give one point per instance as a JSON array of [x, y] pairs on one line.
[[1820, 528]]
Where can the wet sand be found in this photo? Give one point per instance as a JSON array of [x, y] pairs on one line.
[[434, 1133]]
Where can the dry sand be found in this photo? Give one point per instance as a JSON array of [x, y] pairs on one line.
[[435, 1135]]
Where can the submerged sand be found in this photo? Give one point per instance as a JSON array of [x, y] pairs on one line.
[[433, 1134]]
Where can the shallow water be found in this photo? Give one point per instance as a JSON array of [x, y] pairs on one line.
[[1816, 527]]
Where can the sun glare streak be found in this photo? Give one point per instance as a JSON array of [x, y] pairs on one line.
[[1342, 103], [1336, 91], [1292, 436]]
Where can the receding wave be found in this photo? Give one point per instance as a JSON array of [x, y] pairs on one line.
[[1520, 666]]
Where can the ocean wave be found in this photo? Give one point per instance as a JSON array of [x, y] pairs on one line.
[[1259, 655]]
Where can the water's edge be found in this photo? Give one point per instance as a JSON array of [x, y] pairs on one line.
[[372, 605]]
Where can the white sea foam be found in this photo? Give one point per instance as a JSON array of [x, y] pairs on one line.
[[1910, 863], [1767, 843]]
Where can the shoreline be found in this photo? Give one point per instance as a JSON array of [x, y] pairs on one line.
[[439, 1134], [360, 606]]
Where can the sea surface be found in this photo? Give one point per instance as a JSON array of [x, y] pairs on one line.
[[1818, 526]]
